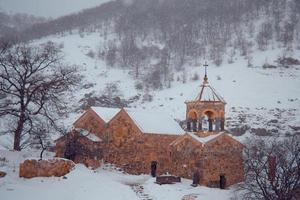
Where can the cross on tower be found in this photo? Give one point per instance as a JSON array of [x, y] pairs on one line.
[[205, 77]]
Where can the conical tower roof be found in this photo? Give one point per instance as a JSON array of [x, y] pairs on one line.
[[208, 93]]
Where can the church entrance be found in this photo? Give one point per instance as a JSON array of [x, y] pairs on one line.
[[222, 181], [196, 179], [153, 168]]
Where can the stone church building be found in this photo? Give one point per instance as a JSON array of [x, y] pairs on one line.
[[139, 141]]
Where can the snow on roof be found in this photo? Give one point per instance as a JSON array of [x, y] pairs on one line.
[[204, 140], [89, 135], [106, 113], [155, 123]]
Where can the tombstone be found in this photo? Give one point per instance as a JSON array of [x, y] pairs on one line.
[[153, 168]]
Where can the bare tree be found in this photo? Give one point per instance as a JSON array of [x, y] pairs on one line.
[[34, 82], [41, 132], [272, 169]]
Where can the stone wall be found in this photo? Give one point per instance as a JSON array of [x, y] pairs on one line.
[[45, 168], [185, 155], [80, 149], [218, 108], [133, 150], [221, 156], [91, 122]]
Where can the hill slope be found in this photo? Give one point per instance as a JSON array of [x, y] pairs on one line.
[[256, 96]]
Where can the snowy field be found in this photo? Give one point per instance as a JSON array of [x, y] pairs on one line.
[[103, 183]]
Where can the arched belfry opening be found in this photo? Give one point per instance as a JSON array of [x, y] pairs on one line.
[[208, 121], [206, 113], [192, 119]]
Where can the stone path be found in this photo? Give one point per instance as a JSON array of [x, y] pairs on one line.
[[190, 197], [139, 190]]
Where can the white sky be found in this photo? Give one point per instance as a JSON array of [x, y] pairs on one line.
[[47, 8]]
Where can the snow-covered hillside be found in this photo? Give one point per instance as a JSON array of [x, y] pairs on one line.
[[45, 8], [261, 101], [255, 96]]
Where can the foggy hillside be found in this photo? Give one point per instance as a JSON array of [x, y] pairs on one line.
[[46, 8], [171, 33]]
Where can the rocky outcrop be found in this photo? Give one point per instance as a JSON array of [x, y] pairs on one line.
[[45, 168], [2, 174]]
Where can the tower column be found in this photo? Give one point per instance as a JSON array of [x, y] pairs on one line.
[[210, 125], [188, 125], [222, 124], [217, 124], [194, 125], [200, 124]]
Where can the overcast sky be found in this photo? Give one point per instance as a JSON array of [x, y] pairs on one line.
[[47, 8]]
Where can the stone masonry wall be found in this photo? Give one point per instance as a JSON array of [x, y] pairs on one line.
[[133, 150], [91, 122], [79, 149], [185, 156], [200, 107], [223, 157]]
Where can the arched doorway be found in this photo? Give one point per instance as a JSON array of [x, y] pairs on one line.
[[222, 181], [153, 168], [196, 179]]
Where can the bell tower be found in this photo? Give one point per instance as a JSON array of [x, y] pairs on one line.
[[206, 114]]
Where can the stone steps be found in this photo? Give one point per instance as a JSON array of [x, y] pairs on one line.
[[139, 190], [189, 197]]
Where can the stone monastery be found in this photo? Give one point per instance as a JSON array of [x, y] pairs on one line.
[[139, 141]]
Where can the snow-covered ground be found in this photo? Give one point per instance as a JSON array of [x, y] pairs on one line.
[[103, 183]]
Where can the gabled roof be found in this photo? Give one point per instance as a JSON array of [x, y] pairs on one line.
[[89, 135], [211, 138], [82, 132], [203, 140], [106, 113], [154, 122], [147, 121], [207, 139]]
